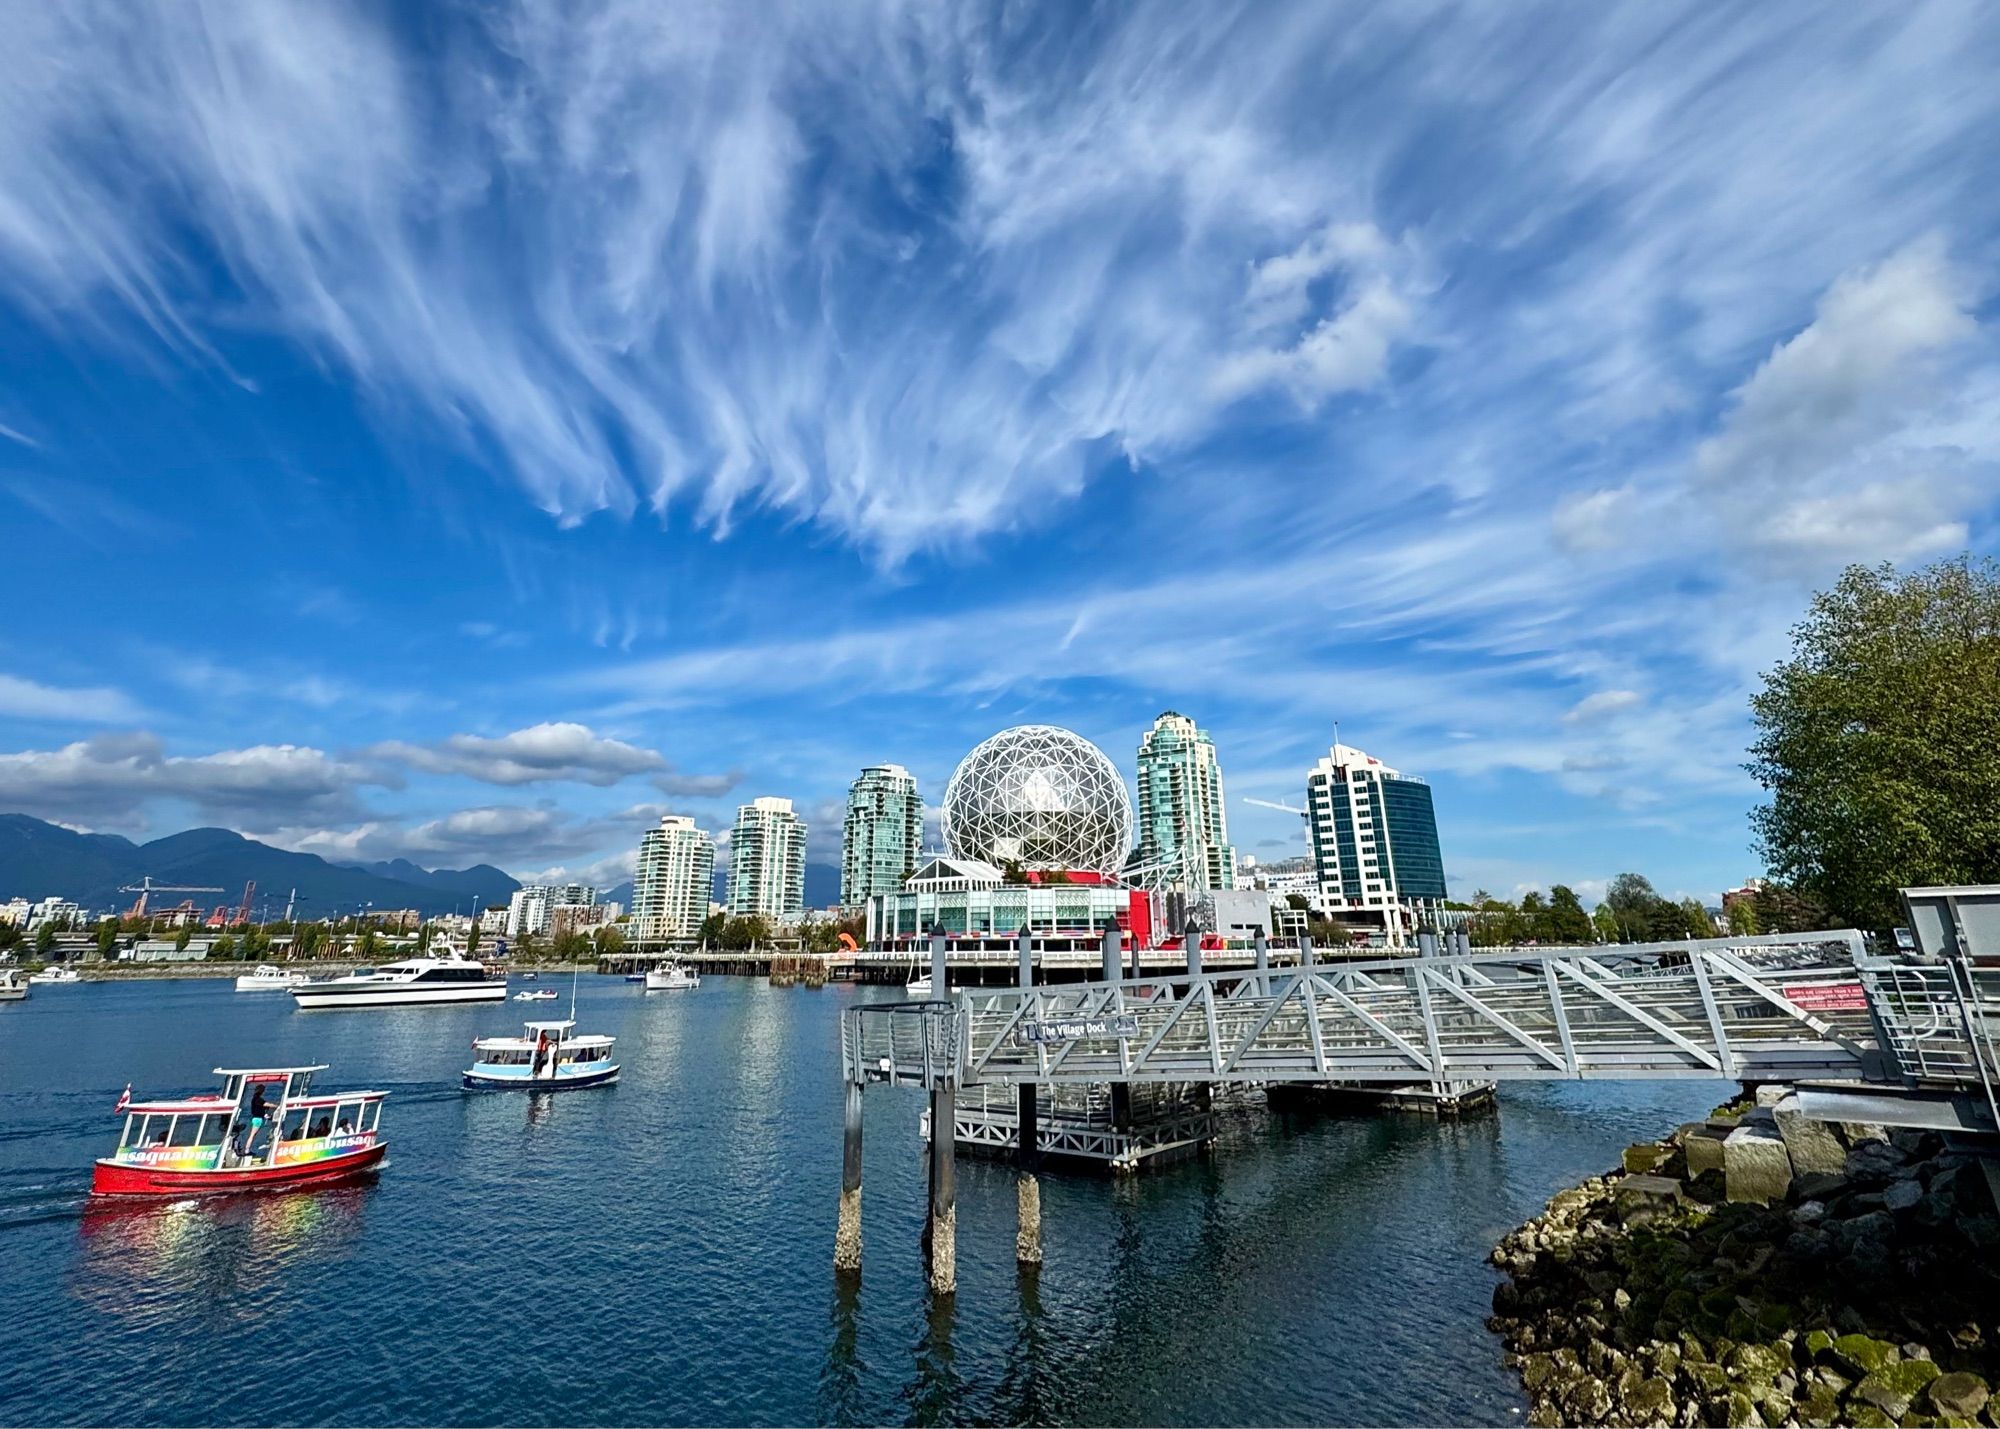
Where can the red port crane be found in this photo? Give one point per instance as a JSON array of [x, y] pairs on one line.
[[145, 888]]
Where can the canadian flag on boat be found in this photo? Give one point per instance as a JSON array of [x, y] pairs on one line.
[[124, 1098]]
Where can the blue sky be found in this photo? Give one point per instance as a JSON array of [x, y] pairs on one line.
[[462, 433]]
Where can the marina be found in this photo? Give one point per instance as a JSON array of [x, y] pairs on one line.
[[724, 1104]]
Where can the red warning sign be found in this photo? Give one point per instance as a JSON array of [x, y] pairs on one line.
[[1827, 996]]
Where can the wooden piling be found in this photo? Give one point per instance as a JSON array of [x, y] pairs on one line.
[[847, 1237], [1028, 1188], [944, 1198]]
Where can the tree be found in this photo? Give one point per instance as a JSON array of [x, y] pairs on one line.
[[1785, 910], [1879, 740], [107, 938], [1743, 919], [1696, 919], [570, 946], [1568, 923], [183, 938], [1534, 917], [1299, 902], [526, 948], [472, 938], [45, 938], [222, 949], [368, 946], [1605, 922], [713, 928], [610, 942]]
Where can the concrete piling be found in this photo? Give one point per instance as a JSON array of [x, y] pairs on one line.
[[1260, 947], [847, 1236], [1192, 938]]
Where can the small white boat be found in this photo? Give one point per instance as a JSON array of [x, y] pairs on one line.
[[671, 978], [56, 975], [540, 994], [918, 986], [553, 1056], [13, 985], [269, 978]]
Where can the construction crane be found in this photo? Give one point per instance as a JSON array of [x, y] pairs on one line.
[[243, 908], [146, 888], [1274, 804]]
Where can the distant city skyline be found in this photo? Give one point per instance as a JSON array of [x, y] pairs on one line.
[[468, 441]]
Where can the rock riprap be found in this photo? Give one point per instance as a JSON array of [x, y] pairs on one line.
[[1856, 1284]]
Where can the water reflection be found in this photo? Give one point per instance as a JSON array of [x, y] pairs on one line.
[[935, 1394], [840, 1390], [212, 1252]]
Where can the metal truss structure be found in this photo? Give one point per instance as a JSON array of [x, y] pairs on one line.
[[1040, 796]]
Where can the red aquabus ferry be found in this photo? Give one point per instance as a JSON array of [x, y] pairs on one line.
[[265, 1129]]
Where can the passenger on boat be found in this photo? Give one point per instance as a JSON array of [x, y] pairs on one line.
[[344, 1127], [319, 1127]]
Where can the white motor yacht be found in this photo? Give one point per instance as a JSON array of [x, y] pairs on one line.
[[671, 978], [56, 975], [414, 982], [270, 978], [13, 985]]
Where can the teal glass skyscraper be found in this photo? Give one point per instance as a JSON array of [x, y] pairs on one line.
[[1183, 831], [883, 832]]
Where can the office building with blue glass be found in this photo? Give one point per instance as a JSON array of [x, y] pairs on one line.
[[1374, 844]]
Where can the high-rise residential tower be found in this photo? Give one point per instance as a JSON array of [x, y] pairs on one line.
[[673, 880], [883, 833], [1183, 831], [767, 860], [1374, 840]]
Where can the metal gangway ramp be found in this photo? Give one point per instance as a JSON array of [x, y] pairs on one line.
[[1778, 1008]]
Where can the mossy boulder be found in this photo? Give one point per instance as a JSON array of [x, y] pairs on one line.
[[1866, 1416], [1741, 1411], [1894, 1388], [1759, 1364], [1819, 1409], [1859, 1355], [1818, 1342]]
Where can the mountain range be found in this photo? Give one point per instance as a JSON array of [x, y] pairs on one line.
[[39, 859]]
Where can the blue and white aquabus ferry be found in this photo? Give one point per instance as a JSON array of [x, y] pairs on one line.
[[552, 1056]]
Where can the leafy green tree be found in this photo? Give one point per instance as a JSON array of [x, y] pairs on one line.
[[222, 949], [10, 937], [107, 938], [527, 948], [472, 938], [1743, 919], [1879, 740], [610, 941], [1605, 921], [45, 938], [713, 929], [1696, 919], [1785, 910], [1568, 923], [1534, 917], [183, 938], [570, 946], [368, 946]]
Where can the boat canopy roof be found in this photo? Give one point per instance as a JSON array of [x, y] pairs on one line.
[[186, 1106], [562, 1026], [268, 1071], [327, 1099]]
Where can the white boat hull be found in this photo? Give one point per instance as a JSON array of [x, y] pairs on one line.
[[264, 984], [400, 995]]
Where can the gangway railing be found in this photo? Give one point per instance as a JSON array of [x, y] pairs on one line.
[[1765, 1009]]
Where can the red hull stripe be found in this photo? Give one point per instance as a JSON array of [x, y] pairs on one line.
[[115, 1180]]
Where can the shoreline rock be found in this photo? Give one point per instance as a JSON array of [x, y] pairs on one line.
[[1700, 1285]]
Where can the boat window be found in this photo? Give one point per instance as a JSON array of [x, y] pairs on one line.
[[213, 1126], [232, 1088], [186, 1131], [374, 1114], [125, 1137]]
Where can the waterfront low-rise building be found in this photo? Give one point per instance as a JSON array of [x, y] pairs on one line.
[[168, 950], [969, 897]]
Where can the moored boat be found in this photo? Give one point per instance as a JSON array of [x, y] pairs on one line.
[[671, 978], [414, 982], [552, 1056], [13, 985], [918, 987], [540, 994], [56, 975], [270, 978], [266, 1129]]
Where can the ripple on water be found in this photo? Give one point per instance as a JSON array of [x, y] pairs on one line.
[[657, 1252]]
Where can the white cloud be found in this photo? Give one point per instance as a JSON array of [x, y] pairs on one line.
[[543, 753], [1602, 705], [22, 698], [108, 781]]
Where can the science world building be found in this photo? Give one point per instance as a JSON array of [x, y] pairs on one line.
[[1038, 797]]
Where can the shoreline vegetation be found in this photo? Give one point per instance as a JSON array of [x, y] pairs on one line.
[[1758, 1268]]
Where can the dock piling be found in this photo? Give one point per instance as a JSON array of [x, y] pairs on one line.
[[944, 1198], [847, 1237], [1028, 1151]]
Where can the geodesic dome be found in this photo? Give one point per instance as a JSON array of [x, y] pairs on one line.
[[1039, 796]]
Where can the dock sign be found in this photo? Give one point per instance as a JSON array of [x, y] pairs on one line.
[[1075, 1029]]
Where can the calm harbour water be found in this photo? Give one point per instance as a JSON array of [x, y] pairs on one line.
[[659, 1252]]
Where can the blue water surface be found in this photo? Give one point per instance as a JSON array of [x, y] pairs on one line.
[[659, 1252]]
